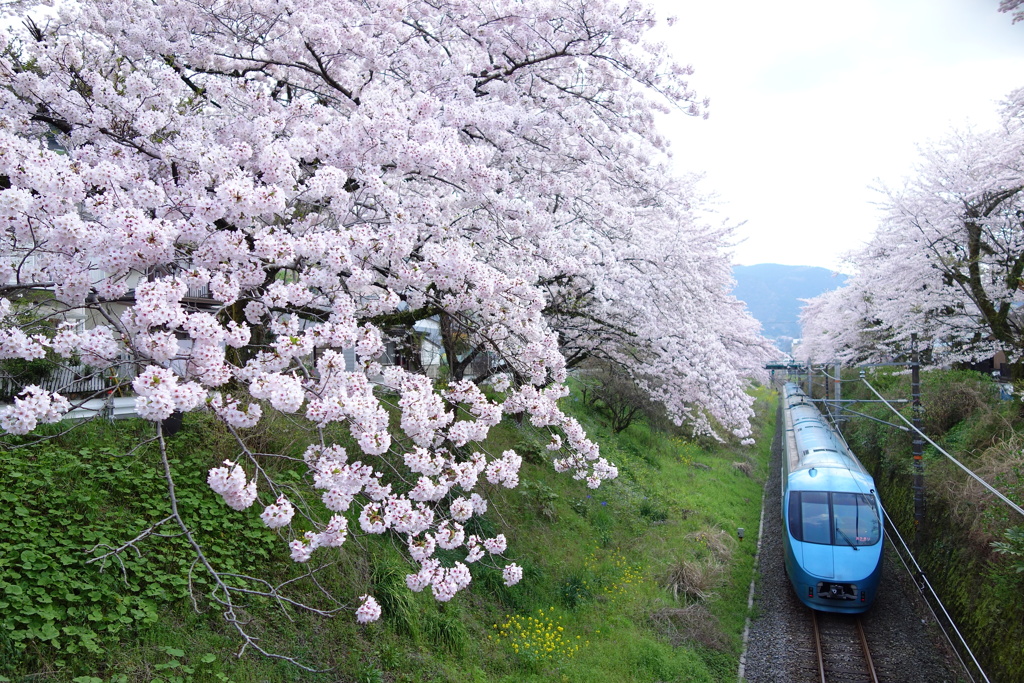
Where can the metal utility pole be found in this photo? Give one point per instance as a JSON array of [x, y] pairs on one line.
[[827, 392], [838, 392], [918, 442]]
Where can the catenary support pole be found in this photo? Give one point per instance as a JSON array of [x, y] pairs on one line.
[[828, 408], [917, 442], [838, 392]]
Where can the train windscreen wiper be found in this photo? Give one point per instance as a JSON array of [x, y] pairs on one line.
[[848, 541]]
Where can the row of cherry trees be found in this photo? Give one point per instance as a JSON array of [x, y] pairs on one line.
[[947, 261], [332, 172]]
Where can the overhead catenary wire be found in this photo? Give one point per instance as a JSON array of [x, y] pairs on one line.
[[869, 417], [981, 481], [834, 378]]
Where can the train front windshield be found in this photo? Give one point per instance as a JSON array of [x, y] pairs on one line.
[[834, 518]]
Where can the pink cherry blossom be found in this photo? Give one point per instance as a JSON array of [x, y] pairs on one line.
[[32, 406], [512, 574], [368, 610], [279, 514], [230, 482], [197, 211]]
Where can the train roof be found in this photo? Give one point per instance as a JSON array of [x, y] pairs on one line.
[[830, 479], [812, 444]]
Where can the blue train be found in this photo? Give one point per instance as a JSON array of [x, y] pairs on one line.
[[830, 512]]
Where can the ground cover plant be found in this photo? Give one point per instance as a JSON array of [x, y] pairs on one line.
[[594, 603]]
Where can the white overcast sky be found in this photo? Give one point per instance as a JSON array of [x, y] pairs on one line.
[[814, 101]]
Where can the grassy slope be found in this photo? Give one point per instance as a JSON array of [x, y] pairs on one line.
[[596, 565]]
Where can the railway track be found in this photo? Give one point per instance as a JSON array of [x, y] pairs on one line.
[[841, 649], [781, 648]]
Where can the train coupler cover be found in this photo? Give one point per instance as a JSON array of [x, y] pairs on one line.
[[836, 591]]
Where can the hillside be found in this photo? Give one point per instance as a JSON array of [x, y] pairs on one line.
[[640, 580], [773, 294]]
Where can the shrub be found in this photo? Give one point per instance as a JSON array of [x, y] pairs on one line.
[[746, 468], [954, 396], [695, 579], [714, 543], [620, 398], [976, 509], [693, 623]]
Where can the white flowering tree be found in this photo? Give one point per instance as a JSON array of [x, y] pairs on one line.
[[1010, 6], [218, 199], [946, 263]]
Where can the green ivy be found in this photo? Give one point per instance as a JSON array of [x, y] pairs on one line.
[[64, 506], [1013, 546]]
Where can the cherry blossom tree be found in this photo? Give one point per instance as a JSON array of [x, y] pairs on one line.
[[946, 262], [214, 201], [1013, 6], [657, 305]]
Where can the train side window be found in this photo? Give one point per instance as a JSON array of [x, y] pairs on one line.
[[809, 518], [794, 516]]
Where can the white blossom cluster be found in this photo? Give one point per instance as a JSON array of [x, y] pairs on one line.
[[368, 610], [160, 394], [230, 482], [32, 406]]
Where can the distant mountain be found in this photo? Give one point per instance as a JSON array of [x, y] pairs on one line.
[[773, 292]]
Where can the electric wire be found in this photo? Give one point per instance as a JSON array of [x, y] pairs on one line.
[[832, 377], [941, 450], [869, 417], [920, 572]]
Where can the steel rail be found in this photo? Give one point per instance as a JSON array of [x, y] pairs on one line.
[[817, 647], [867, 651], [862, 637]]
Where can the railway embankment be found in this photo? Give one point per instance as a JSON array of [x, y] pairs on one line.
[[970, 546], [640, 580]]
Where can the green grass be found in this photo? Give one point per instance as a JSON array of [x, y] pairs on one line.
[[595, 561]]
